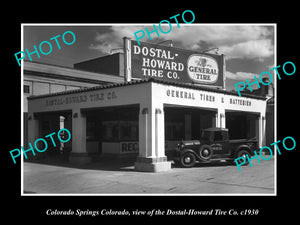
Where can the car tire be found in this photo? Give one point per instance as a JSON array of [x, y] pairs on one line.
[[205, 152], [187, 160], [242, 153]]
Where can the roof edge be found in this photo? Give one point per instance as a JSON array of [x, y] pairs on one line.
[[134, 82], [206, 89]]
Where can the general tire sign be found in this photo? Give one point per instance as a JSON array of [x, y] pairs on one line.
[[203, 69], [176, 65]]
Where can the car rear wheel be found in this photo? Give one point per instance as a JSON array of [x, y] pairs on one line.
[[242, 153], [187, 160], [205, 152]]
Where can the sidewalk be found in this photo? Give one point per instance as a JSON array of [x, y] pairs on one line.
[[217, 178]]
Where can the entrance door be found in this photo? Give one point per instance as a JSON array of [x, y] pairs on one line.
[[52, 123]]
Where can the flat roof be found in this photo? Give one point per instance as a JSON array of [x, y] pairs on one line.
[[148, 80], [67, 73]]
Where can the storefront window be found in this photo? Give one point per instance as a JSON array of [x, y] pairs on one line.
[[91, 131], [120, 130], [110, 130], [128, 130], [113, 125], [26, 89]]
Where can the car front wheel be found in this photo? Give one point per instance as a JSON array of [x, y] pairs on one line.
[[187, 160]]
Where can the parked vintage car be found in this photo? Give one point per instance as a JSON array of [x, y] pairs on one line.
[[214, 144]]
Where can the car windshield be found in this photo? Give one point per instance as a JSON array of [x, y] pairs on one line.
[[205, 135]]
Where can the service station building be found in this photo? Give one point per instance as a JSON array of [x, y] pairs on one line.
[[167, 95]]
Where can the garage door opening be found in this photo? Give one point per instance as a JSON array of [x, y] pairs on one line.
[[242, 125], [112, 131], [51, 123], [185, 124]]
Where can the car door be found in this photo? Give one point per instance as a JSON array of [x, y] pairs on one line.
[[220, 145]]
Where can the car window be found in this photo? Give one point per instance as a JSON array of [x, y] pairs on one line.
[[218, 136], [225, 135], [205, 135]]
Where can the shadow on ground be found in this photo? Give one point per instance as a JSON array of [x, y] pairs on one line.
[[116, 164]]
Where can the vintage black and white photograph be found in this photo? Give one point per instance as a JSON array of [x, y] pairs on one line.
[[149, 109]]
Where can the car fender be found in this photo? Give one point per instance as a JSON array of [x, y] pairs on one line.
[[244, 147], [182, 152]]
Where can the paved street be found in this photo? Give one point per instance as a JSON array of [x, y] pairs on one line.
[[120, 178]]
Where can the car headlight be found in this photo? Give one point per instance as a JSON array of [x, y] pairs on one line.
[[180, 145]]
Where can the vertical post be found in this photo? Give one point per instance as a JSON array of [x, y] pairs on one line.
[[261, 125], [263, 130], [127, 59], [33, 129], [79, 153], [221, 118], [224, 71], [143, 132], [34, 132], [151, 141], [215, 120], [159, 133], [187, 126]]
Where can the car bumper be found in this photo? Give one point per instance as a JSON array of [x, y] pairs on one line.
[[175, 155], [176, 158]]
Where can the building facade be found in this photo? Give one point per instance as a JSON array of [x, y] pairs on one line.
[[166, 95], [41, 79]]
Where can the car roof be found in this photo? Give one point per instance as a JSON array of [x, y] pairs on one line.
[[215, 129]]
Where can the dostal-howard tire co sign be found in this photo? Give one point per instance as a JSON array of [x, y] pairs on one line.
[[173, 64]]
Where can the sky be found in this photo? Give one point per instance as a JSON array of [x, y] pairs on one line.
[[248, 48]]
